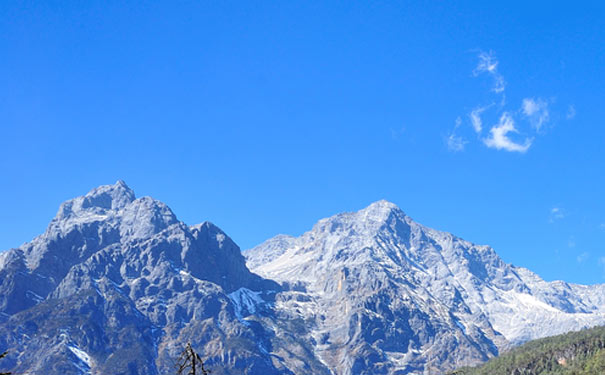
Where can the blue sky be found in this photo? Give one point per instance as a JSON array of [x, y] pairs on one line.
[[484, 120]]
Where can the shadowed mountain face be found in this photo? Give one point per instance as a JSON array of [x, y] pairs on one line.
[[118, 285]]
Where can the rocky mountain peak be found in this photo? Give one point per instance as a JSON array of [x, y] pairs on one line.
[[379, 212], [382, 207], [116, 283], [368, 222], [381, 254], [106, 197], [382, 212]]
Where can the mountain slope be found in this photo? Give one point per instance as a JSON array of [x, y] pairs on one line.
[[388, 295], [118, 285]]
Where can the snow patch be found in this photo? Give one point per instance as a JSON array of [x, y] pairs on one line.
[[246, 302], [34, 297], [84, 363]]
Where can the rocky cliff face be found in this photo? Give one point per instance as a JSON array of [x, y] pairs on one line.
[[118, 285]]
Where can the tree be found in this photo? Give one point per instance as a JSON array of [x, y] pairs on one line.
[[191, 361], [2, 356]]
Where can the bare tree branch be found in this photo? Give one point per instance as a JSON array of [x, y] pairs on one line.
[[189, 360]]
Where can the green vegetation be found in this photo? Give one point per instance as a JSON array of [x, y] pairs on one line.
[[574, 353]]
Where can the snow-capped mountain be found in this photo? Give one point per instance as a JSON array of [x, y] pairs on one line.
[[385, 294], [118, 285]]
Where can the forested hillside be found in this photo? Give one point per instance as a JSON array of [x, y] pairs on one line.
[[577, 353]]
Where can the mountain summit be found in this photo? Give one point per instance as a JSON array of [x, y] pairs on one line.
[[117, 284], [106, 197], [388, 295]]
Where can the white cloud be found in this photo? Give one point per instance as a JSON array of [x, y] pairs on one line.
[[536, 110], [499, 138], [556, 213], [489, 64], [515, 129], [455, 143], [475, 117], [571, 112], [582, 257], [498, 84]]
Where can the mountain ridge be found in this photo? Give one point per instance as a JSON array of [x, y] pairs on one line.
[[117, 284]]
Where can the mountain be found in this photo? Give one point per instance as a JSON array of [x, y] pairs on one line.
[[574, 353], [118, 285], [386, 295]]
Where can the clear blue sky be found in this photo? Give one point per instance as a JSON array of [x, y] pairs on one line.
[[264, 117]]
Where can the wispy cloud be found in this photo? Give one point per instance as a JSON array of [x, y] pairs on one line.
[[475, 117], [489, 64], [454, 142], [556, 213], [582, 257], [499, 136], [571, 242], [571, 112], [536, 110]]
